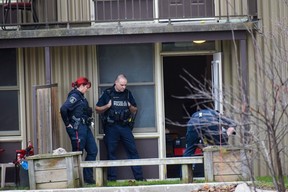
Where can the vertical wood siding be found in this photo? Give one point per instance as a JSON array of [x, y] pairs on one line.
[[67, 64], [267, 47]]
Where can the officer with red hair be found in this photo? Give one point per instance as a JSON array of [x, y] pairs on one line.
[[77, 117]]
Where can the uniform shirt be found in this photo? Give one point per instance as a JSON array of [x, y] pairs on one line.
[[208, 122], [75, 105]]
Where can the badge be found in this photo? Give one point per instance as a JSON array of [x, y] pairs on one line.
[[72, 99]]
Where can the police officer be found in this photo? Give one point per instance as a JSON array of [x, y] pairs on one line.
[[210, 127], [116, 106], [77, 117]]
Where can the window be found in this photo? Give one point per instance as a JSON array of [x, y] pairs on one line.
[[136, 61], [9, 93]]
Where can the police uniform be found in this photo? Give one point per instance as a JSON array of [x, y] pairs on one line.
[[204, 125], [116, 127], [76, 111]]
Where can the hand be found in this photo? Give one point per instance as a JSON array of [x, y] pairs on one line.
[[69, 126], [230, 131], [109, 104]]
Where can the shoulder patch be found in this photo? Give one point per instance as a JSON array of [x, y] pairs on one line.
[[72, 99]]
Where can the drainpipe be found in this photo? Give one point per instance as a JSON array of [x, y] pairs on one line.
[[47, 66]]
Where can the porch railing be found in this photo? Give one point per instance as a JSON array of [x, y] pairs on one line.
[[66, 13]]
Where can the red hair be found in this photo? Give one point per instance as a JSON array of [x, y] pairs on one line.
[[81, 81]]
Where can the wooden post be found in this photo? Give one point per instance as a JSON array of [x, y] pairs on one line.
[[80, 171], [187, 173], [31, 173], [70, 172], [208, 166], [99, 177]]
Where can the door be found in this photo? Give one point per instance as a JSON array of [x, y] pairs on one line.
[[182, 9], [180, 101], [216, 66], [178, 104]]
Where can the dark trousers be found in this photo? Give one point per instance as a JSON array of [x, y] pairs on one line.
[[192, 138], [210, 134], [113, 135], [84, 139]]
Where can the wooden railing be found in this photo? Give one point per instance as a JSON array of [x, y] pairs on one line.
[[66, 13]]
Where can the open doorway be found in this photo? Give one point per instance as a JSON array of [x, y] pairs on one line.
[[180, 110]]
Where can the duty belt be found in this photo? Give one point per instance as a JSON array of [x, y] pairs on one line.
[[83, 120]]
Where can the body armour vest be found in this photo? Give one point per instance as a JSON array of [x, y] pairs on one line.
[[119, 110]]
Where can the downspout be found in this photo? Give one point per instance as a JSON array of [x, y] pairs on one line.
[[47, 66]]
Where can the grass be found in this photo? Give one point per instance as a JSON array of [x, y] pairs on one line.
[[266, 182], [150, 182]]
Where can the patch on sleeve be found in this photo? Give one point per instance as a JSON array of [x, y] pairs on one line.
[[72, 99]]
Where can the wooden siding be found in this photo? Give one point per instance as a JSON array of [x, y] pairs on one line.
[[67, 64], [265, 48]]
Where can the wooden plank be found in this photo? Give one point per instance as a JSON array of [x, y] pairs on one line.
[[208, 166], [101, 166], [99, 177], [187, 174], [52, 163], [54, 185], [228, 178], [47, 176], [227, 168], [70, 172], [49, 155], [31, 173], [142, 162], [226, 156], [79, 170]]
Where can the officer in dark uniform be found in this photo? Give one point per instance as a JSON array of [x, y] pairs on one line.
[[77, 117], [210, 127], [117, 107]]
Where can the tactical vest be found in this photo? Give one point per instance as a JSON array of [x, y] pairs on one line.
[[119, 110]]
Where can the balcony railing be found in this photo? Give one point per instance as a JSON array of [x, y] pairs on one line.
[[20, 14]]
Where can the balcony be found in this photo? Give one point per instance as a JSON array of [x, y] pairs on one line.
[[50, 14]]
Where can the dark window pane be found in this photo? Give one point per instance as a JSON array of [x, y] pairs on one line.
[[135, 61], [145, 99], [9, 116], [8, 72], [8, 156]]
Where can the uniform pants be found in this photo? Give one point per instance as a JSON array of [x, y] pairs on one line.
[[113, 135], [209, 134], [84, 139]]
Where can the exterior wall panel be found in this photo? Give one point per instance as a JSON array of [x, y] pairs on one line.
[[67, 63]]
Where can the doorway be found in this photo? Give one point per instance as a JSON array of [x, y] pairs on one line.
[[179, 110]]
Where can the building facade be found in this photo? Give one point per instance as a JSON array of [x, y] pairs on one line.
[[44, 48]]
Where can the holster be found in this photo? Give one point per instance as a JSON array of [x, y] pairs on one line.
[[76, 122]]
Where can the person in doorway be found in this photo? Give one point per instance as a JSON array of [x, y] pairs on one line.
[[117, 107], [210, 127], [77, 117]]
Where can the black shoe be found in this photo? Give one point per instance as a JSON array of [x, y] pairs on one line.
[[111, 180], [141, 179]]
